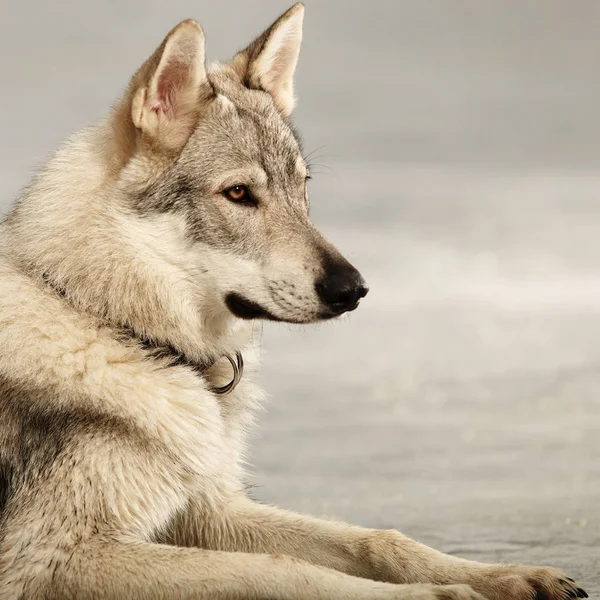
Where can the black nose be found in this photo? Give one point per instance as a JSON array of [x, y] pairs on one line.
[[341, 288]]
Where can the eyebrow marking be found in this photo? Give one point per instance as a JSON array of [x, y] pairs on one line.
[[249, 175]]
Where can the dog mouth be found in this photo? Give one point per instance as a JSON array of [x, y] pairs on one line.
[[247, 309], [331, 312]]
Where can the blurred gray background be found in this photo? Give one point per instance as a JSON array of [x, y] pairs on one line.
[[457, 164]]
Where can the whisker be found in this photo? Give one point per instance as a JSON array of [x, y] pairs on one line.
[[307, 157]]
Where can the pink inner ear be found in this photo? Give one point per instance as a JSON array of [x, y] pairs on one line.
[[171, 84]]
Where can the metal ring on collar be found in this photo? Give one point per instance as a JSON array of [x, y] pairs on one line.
[[238, 371]]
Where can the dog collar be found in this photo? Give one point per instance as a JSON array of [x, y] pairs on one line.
[[201, 368], [176, 357]]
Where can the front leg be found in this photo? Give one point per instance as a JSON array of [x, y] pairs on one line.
[[245, 526]]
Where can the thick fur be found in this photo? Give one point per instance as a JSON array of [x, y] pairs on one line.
[[121, 471]]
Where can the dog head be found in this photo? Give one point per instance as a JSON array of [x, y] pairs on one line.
[[213, 148]]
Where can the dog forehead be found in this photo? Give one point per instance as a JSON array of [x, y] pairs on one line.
[[244, 125]]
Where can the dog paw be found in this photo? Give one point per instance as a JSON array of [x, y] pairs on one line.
[[515, 582]]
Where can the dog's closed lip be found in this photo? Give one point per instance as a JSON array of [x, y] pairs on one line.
[[332, 313], [247, 309]]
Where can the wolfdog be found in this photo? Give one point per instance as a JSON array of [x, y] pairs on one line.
[[133, 271]]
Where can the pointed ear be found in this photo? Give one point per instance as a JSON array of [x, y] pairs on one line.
[[166, 102], [270, 61]]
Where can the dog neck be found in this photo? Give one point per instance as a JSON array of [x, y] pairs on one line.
[[173, 356]]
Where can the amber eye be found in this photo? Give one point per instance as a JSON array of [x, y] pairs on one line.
[[240, 194]]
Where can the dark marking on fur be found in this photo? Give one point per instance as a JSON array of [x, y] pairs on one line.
[[6, 485], [181, 191], [174, 357], [38, 433], [183, 186], [169, 193]]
